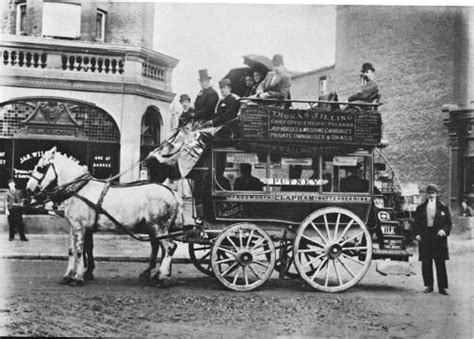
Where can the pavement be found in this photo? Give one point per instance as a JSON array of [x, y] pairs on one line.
[[107, 247], [112, 247]]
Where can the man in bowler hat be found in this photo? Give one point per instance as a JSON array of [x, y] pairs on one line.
[[15, 218], [370, 90], [186, 115], [206, 100], [432, 227]]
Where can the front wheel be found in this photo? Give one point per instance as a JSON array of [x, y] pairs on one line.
[[243, 257], [332, 249]]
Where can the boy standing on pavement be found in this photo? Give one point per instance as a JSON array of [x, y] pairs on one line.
[[15, 218]]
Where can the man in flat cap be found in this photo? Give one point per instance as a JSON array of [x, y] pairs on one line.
[[206, 100], [276, 84], [186, 115], [228, 106], [370, 90], [432, 226]]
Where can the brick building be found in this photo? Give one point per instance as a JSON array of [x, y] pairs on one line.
[[81, 75], [423, 58]]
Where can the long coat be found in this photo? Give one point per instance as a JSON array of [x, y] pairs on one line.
[[432, 245], [205, 104]]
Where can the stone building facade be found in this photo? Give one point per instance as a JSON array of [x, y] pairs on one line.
[[423, 58], [81, 75]]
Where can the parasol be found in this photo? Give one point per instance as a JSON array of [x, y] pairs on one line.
[[237, 77], [258, 62]]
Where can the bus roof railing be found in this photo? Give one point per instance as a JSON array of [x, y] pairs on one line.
[[311, 102]]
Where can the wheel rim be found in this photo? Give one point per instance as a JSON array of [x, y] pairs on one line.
[[200, 255], [332, 249], [243, 257]]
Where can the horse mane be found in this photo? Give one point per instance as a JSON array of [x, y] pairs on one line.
[[68, 161]]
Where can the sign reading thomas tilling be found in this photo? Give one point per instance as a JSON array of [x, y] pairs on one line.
[[311, 127]]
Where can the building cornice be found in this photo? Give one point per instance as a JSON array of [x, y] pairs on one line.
[[87, 86]]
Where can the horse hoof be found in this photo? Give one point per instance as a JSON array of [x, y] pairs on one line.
[[166, 283], [144, 276], [76, 282], [66, 281], [88, 277]]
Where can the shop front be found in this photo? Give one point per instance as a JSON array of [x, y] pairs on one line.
[[81, 130]]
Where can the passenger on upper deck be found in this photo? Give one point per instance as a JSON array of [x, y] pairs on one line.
[[276, 84], [258, 82], [250, 84], [247, 182], [370, 90], [227, 108], [206, 100], [185, 116]]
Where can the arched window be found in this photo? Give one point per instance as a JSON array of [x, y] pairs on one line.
[[150, 130]]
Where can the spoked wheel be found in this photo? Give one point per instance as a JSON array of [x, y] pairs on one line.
[[243, 257], [200, 255], [332, 249]]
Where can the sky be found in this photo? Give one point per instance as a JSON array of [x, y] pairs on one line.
[[216, 36]]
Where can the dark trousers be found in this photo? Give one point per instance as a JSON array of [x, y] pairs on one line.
[[15, 221], [441, 275]]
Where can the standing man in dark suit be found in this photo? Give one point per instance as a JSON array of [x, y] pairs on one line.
[[432, 227], [15, 218], [186, 115], [206, 100]]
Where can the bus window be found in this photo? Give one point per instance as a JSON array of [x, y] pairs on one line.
[[351, 173]]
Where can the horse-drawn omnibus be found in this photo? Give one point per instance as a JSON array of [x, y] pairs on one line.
[[291, 190], [294, 190]]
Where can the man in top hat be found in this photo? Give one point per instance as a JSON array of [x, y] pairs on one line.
[[432, 226], [206, 100], [276, 84], [186, 115], [370, 90], [228, 106], [14, 205]]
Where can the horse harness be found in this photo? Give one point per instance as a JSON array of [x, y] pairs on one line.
[[73, 188]]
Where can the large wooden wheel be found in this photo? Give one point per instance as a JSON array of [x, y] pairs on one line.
[[243, 257], [200, 255], [332, 249]]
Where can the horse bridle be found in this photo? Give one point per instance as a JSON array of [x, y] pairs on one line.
[[43, 170]]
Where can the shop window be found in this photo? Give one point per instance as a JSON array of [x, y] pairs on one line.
[[21, 19], [100, 25], [61, 20]]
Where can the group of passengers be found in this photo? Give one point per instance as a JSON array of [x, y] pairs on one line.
[[209, 111]]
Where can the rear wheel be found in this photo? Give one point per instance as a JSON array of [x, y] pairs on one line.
[[332, 249], [243, 257]]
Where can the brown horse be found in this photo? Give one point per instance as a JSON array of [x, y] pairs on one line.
[[94, 204]]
